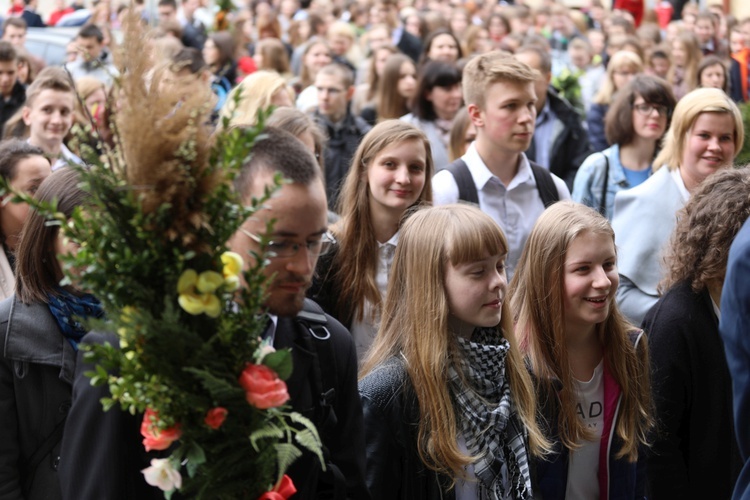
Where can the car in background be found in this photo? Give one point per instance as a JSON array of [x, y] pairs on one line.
[[50, 44]]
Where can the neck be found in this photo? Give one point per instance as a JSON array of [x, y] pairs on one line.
[[502, 164], [639, 154], [460, 328], [714, 290], [443, 115], [690, 183], [584, 351], [11, 242], [385, 223], [52, 149]]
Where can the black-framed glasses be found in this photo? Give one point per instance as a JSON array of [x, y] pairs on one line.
[[646, 109], [284, 249]]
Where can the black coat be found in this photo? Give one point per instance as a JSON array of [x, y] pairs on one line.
[[570, 147], [14, 103], [391, 414], [410, 45], [326, 292], [36, 374], [343, 140], [694, 453], [103, 454], [33, 20]]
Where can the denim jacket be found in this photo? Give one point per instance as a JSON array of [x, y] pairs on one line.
[[587, 187]]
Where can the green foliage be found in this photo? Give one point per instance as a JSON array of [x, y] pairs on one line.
[[567, 86], [743, 158]]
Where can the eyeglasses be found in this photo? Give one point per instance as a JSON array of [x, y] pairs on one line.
[[284, 249], [646, 109]]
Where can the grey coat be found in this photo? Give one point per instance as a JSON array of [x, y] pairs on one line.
[[36, 374]]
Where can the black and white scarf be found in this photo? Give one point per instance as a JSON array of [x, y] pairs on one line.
[[488, 419]]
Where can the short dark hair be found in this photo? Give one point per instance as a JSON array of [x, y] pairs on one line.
[[167, 3], [431, 75], [618, 124], [187, 58], [12, 151], [278, 151], [91, 31], [38, 271], [16, 22], [545, 59], [8, 52]]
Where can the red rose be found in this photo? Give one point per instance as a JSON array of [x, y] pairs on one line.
[[263, 387], [155, 438], [215, 417], [283, 490]]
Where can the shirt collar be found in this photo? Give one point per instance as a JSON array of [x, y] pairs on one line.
[[482, 175], [270, 333], [544, 114]]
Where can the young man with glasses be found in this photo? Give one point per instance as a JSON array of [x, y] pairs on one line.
[[324, 357], [335, 85]]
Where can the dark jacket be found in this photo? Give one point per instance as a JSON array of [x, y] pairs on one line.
[[36, 375], [410, 45], [626, 480], [595, 121], [694, 453], [570, 145], [15, 101], [343, 140], [343, 438], [735, 80], [326, 292], [391, 414], [33, 20], [102, 452]]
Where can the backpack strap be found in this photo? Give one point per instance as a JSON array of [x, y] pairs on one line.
[[467, 190], [313, 319], [603, 201], [545, 184]]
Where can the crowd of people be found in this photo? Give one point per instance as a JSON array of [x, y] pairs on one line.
[[531, 289]]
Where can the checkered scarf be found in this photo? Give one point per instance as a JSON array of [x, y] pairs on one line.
[[488, 418]]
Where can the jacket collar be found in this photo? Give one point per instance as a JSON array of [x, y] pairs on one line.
[[34, 337]]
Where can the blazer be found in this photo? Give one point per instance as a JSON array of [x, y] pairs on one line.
[[643, 220], [694, 452], [36, 376]]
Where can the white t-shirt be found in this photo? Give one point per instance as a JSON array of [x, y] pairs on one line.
[[583, 466]]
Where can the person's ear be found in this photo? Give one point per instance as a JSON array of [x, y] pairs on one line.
[[25, 114], [350, 93], [475, 115]]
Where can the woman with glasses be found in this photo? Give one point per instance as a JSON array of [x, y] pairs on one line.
[[704, 137], [390, 174], [634, 125], [622, 67]]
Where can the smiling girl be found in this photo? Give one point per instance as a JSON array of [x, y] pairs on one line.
[[389, 174], [448, 404], [706, 134], [590, 365]]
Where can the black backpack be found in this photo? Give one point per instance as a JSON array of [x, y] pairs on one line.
[[467, 190]]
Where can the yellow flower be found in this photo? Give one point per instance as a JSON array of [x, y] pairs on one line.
[[211, 305], [231, 283], [191, 303], [187, 281], [209, 281], [232, 264]]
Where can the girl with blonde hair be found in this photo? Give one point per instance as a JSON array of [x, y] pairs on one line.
[[257, 92], [706, 134], [622, 67], [449, 406], [389, 174], [590, 365]]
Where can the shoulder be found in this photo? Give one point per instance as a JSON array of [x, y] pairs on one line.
[[444, 188], [562, 189], [384, 384], [659, 189], [679, 306]]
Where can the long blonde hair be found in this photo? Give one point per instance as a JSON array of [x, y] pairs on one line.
[[356, 262], [415, 326], [537, 300], [256, 92]]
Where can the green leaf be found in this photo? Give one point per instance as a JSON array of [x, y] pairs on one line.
[[286, 454], [280, 362], [218, 388], [310, 441], [195, 457], [270, 432]]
